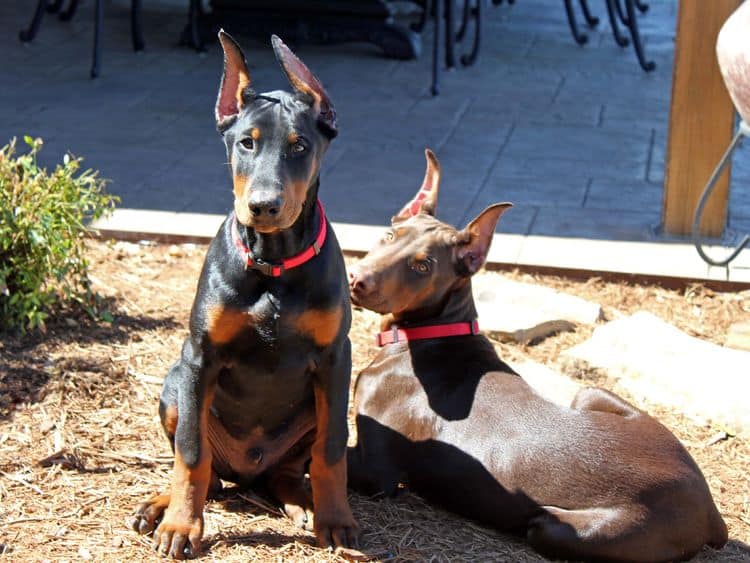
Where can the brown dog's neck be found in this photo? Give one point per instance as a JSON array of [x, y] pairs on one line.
[[274, 247], [456, 307]]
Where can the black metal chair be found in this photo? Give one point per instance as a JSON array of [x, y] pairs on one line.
[[55, 7], [623, 11], [443, 13]]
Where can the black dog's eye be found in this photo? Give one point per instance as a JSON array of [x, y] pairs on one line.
[[248, 143], [298, 148]]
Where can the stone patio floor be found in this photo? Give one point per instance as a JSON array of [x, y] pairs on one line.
[[574, 136]]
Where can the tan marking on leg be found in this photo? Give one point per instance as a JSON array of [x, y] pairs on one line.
[[182, 525], [170, 420], [334, 524], [225, 323], [322, 326]]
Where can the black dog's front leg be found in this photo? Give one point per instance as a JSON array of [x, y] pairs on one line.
[[334, 523], [180, 531]]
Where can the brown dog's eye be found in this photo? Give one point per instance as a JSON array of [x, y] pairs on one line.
[[248, 143], [422, 266]]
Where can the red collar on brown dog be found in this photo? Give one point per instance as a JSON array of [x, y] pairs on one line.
[[424, 332]]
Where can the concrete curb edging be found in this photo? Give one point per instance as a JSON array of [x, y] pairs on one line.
[[672, 263]]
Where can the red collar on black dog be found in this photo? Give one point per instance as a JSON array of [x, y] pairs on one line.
[[275, 270], [423, 332]]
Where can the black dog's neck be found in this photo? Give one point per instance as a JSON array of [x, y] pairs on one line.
[[456, 307], [274, 247]]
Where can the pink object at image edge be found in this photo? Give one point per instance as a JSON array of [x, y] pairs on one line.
[[733, 54]]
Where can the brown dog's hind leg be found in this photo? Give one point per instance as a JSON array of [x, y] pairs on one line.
[[601, 400], [608, 534], [286, 482]]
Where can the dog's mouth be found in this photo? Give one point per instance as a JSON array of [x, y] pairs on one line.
[[270, 225], [372, 301]]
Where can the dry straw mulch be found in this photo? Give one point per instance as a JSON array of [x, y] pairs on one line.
[[81, 444]]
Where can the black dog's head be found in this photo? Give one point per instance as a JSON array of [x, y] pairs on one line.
[[275, 141]]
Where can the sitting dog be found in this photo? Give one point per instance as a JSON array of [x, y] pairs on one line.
[[262, 384], [438, 410]]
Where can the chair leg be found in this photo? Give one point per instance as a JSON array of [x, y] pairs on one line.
[[620, 39], [470, 58], [636, 36], [580, 38], [98, 20], [435, 88], [67, 14], [591, 20], [450, 37], [55, 6], [135, 25], [194, 36], [26, 35], [466, 14], [419, 25]]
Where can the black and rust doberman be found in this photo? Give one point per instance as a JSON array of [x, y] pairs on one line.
[[438, 410], [261, 386]]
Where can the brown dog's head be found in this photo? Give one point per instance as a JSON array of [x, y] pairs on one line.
[[420, 260], [275, 141]]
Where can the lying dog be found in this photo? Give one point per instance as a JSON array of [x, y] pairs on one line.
[[262, 384], [438, 410]]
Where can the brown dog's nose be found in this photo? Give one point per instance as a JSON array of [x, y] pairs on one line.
[[359, 282], [262, 206]]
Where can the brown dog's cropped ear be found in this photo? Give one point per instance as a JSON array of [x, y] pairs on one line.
[[426, 199], [304, 82], [477, 238], [235, 82]]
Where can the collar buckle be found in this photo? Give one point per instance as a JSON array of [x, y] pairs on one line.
[[266, 268], [394, 333]]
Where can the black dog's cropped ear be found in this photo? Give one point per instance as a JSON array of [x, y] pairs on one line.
[[235, 82], [304, 82], [476, 238], [426, 199]]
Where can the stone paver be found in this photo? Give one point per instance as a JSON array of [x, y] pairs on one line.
[[574, 136], [526, 312], [656, 361]]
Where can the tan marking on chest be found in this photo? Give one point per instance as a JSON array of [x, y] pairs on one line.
[[225, 323], [321, 325]]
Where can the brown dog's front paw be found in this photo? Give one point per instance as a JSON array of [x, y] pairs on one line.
[[179, 537], [147, 514], [341, 532], [300, 515]]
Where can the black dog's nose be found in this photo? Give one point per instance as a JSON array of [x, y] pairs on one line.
[[262, 206]]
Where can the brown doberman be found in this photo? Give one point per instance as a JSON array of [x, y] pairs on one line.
[[261, 387], [439, 411]]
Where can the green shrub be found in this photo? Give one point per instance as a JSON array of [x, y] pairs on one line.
[[43, 219]]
